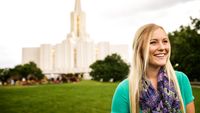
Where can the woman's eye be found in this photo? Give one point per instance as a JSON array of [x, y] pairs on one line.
[[165, 41], [153, 42]]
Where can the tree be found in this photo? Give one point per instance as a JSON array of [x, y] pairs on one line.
[[14, 74], [30, 69], [185, 44], [112, 67], [4, 74]]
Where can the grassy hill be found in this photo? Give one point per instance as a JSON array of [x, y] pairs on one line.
[[82, 97]]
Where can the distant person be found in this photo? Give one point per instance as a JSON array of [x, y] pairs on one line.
[[153, 86]]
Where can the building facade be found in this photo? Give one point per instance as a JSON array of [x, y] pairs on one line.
[[74, 54]]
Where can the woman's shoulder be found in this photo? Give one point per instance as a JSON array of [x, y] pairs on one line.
[[181, 76], [185, 87], [124, 82], [183, 80], [123, 86], [120, 101]]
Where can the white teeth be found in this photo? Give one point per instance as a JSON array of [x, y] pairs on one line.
[[160, 55]]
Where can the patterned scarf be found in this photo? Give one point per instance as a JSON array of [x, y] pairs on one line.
[[162, 100]]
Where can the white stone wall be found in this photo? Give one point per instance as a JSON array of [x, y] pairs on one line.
[[91, 54], [69, 51], [85, 55], [78, 23], [31, 54], [46, 58], [58, 61], [71, 56], [102, 50]]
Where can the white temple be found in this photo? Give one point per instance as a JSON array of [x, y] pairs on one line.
[[74, 54]]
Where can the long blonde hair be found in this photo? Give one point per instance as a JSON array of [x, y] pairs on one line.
[[139, 65]]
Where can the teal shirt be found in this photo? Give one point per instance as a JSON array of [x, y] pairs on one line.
[[120, 101]]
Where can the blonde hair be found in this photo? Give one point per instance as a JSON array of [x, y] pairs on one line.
[[139, 66]]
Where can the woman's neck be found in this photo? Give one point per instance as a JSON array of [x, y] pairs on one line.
[[152, 75], [152, 72]]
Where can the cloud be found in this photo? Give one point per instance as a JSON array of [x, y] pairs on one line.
[[124, 8], [160, 4], [29, 23]]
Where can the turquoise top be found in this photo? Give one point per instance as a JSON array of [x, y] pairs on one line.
[[120, 101]]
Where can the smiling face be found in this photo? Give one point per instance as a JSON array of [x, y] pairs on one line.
[[159, 47]]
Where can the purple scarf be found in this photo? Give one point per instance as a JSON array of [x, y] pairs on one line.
[[164, 100]]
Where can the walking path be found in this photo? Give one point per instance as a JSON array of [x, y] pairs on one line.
[[195, 86]]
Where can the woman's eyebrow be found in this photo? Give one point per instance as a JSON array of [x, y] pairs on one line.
[[156, 38], [153, 39]]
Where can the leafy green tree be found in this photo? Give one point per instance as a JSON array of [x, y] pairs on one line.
[[185, 44], [30, 69], [4, 74], [1, 74], [21, 71], [112, 67], [14, 74]]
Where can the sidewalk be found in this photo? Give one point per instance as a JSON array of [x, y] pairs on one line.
[[195, 86]]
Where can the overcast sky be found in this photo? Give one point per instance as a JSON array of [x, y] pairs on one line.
[[29, 23]]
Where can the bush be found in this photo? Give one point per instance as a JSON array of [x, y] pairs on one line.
[[112, 67]]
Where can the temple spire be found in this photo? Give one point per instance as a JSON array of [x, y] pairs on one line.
[[77, 6]]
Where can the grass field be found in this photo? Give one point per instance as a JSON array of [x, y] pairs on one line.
[[82, 97], [196, 92]]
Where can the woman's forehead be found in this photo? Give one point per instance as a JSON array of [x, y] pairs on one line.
[[159, 33]]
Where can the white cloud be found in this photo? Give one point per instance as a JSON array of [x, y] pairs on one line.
[[29, 23]]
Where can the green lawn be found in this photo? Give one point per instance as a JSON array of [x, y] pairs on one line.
[[82, 97], [196, 92]]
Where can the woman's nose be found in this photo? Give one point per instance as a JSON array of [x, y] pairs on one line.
[[161, 46]]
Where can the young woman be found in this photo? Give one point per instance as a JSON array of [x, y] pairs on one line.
[[153, 86]]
